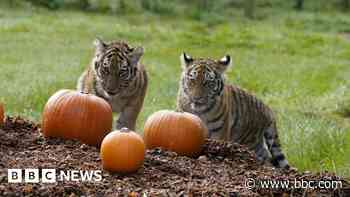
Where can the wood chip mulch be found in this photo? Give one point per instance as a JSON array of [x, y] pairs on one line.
[[222, 170]]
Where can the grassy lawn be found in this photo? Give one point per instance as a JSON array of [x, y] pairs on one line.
[[297, 62]]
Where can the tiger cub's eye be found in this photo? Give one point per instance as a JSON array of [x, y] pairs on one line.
[[104, 70]]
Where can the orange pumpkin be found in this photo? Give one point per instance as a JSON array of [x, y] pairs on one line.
[[122, 151], [70, 114], [183, 133], [2, 114]]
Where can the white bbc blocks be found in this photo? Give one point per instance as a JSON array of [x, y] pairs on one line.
[[31, 175], [48, 175], [14, 175]]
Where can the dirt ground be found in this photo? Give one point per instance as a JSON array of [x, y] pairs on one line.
[[223, 169]]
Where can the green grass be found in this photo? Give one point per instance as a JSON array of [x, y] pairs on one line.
[[297, 62]]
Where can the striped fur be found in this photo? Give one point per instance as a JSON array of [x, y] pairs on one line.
[[116, 75], [229, 112]]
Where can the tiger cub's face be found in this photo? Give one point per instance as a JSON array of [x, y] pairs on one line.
[[115, 65], [203, 80]]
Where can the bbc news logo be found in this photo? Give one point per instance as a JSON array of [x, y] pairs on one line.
[[31, 175]]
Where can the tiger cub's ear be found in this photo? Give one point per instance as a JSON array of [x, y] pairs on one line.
[[186, 60], [135, 56], [100, 46], [224, 63]]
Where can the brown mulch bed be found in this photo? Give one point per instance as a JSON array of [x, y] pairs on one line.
[[222, 170]]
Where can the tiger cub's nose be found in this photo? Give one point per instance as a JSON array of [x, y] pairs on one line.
[[199, 99]]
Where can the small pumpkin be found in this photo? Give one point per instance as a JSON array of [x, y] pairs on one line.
[[2, 114], [122, 151], [70, 114], [181, 132]]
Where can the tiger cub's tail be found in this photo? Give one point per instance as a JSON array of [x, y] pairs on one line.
[[272, 141]]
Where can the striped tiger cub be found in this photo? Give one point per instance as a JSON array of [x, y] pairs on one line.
[[116, 75], [229, 112]]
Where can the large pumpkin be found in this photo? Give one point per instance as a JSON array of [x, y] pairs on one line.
[[183, 133], [70, 114], [2, 114], [122, 151]]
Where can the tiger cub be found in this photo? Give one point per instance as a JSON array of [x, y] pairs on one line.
[[116, 75], [229, 112]]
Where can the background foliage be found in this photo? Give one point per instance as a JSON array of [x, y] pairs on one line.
[[297, 61]]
